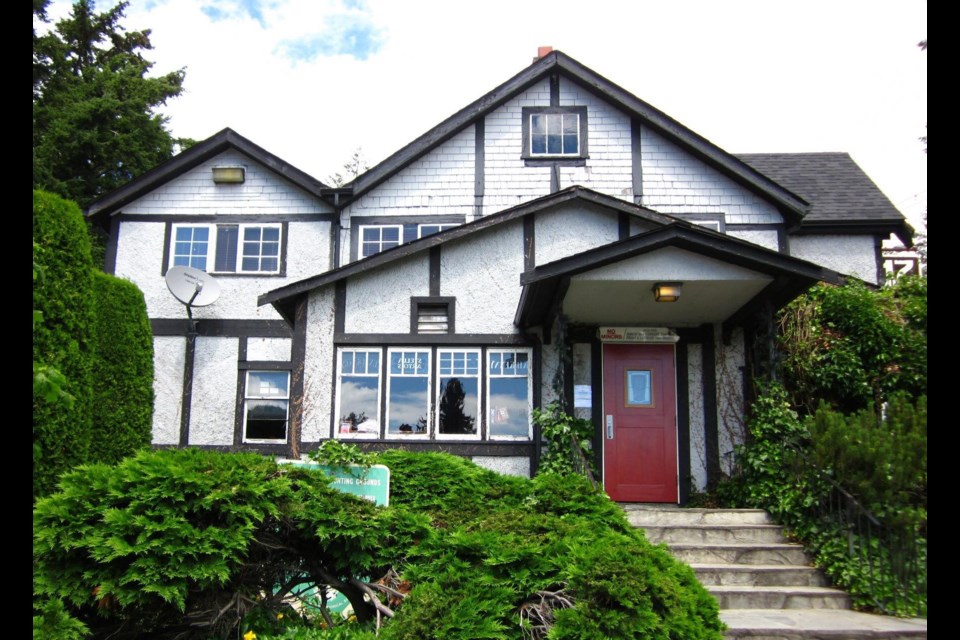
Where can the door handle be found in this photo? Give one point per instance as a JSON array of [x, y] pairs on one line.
[[609, 427]]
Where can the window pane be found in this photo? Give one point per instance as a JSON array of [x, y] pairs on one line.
[[266, 419], [227, 239], [346, 362], [538, 125], [407, 405], [373, 362], [360, 359], [184, 234], [271, 234], [267, 383], [570, 144], [201, 234], [457, 406], [359, 410], [371, 234], [250, 264], [269, 264], [509, 407], [251, 234], [391, 234]]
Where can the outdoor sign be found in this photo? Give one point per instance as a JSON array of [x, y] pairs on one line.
[[370, 483], [636, 334], [582, 396]]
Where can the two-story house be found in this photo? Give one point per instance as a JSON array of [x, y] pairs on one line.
[[558, 237]]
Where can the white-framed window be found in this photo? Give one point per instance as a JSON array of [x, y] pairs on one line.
[[377, 238], [408, 393], [266, 406], [509, 394], [227, 248], [358, 393], [554, 133], [458, 408], [424, 230]]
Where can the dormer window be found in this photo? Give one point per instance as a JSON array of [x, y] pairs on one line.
[[554, 133]]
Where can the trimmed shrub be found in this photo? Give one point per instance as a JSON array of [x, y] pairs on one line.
[[123, 370], [63, 293]]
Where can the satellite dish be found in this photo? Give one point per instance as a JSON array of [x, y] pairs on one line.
[[192, 287]]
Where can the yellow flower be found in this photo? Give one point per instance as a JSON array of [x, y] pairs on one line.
[[279, 616], [250, 635]]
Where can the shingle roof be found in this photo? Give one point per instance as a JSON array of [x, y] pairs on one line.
[[835, 186]]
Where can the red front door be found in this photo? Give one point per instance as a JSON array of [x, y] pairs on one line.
[[640, 423]]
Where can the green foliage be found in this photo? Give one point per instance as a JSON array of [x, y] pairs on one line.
[[558, 429], [94, 102], [207, 544], [123, 369], [852, 346], [337, 453], [53, 622], [63, 341]]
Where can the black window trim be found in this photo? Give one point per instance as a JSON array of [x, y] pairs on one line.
[[531, 160]]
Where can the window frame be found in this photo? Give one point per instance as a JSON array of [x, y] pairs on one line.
[[546, 159], [430, 409], [337, 433], [479, 351], [247, 397], [490, 377], [380, 227], [212, 236], [442, 226]]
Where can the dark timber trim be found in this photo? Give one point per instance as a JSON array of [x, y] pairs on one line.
[[167, 239], [554, 90], [479, 165], [222, 328], [554, 178], [298, 356], [540, 160], [340, 307], [227, 218], [623, 225], [110, 259], [522, 449], [284, 242], [783, 239], [279, 450], [711, 436], [241, 392], [683, 419], [529, 242], [878, 253], [636, 160], [596, 410], [435, 272], [265, 365], [187, 394]]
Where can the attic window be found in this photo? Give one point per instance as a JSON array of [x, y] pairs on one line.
[[554, 133], [432, 315]]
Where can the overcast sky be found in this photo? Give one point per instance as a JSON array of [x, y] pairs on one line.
[[313, 80]]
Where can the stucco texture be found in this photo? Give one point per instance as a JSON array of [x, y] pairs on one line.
[[730, 423], [767, 239], [851, 255], [168, 359], [506, 465], [698, 456], [318, 374], [379, 301], [213, 404], [268, 349], [571, 231]]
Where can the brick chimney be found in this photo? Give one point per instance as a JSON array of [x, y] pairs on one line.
[[542, 51]]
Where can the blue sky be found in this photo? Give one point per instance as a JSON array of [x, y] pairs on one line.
[[313, 80]]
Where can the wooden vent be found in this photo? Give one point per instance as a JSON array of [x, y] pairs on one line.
[[433, 318]]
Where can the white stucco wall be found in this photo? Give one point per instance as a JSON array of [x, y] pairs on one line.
[[168, 359], [641, 226], [767, 239], [851, 255], [318, 363], [730, 359], [549, 361], [439, 183], [213, 403], [675, 182], [483, 272], [269, 349], [506, 465], [140, 259], [379, 301], [698, 456], [571, 231], [194, 192]]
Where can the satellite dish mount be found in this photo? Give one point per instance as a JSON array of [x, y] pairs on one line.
[[194, 288]]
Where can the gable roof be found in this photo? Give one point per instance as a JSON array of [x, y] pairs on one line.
[[282, 297], [839, 191], [194, 156], [556, 62]]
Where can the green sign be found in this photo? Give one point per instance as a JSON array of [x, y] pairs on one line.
[[370, 483]]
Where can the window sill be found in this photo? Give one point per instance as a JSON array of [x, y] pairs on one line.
[[559, 161]]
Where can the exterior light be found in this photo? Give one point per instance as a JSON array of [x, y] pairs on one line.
[[667, 291], [228, 175]]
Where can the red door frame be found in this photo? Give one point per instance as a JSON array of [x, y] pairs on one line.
[[640, 397]]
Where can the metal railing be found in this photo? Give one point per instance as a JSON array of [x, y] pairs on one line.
[[892, 556]]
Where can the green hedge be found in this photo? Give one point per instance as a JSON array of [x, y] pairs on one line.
[[123, 370], [63, 293]]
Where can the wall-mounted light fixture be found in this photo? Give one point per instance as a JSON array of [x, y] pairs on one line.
[[667, 291], [228, 175]]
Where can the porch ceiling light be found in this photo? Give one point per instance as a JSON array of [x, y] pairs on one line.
[[228, 175], [667, 291]]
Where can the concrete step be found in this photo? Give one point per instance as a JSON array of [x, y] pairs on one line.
[[751, 554], [818, 624], [751, 597], [714, 534], [641, 515], [759, 575]]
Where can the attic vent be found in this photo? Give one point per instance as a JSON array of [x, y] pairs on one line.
[[432, 315], [432, 318]]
